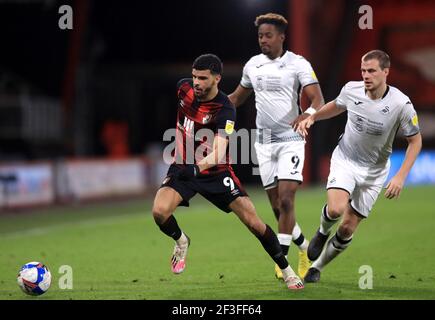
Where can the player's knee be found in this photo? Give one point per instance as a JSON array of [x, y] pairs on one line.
[[335, 211], [286, 206], [160, 213]]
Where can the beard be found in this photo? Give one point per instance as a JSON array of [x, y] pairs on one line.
[[202, 93]]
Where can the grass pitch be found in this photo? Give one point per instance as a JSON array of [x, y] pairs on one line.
[[117, 252]]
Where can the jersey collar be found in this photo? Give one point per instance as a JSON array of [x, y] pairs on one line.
[[383, 96]]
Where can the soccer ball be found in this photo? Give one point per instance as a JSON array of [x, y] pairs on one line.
[[34, 278]]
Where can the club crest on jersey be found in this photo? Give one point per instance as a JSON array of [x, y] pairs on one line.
[[385, 110], [229, 127], [206, 119]]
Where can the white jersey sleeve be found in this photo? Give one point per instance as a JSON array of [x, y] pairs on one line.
[[305, 72], [246, 80], [409, 120], [342, 99]]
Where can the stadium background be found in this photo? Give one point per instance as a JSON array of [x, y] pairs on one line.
[[83, 111]]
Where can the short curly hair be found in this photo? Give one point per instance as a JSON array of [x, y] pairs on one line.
[[210, 62], [272, 18]]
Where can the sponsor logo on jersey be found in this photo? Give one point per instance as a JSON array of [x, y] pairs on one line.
[[166, 180], [359, 123], [332, 180], [282, 66], [206, 119], [313, 75], [260, 84], [182, 103], [229, 127], [235, 192], [415, 120], [357, 103], [188, 124]]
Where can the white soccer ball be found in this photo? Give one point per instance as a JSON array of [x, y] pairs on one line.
[[34, 278]]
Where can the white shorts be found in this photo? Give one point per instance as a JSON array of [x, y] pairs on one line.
[[280, 161], [362, 183]]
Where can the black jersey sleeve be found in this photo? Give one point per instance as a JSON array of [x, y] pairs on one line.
[[226, 120]]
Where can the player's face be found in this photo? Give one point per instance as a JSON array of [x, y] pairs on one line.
[[270, 39], [203, 82], [373, 75]]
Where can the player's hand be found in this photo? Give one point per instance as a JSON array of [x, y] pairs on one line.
[[300, 118], [304, 125], [188, 172], [394, 187]]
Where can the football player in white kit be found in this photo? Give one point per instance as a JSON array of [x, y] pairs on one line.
[[360, 163], [277, 77]]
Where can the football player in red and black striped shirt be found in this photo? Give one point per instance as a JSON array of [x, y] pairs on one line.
[[203, 166]]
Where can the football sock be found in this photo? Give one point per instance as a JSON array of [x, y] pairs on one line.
[[326, 222], [284, 241], [170, 228], [298, 238], [288, 272], [182, 241], [334, 247], [270, 243]]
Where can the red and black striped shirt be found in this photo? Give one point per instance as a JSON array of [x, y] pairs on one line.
[[216, 115]]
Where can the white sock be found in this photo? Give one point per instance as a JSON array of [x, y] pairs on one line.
[[296, 231], [296, 234], [285, 240], [304, 245], [326, 222], [334, 247], [287, 272], [182, 241]]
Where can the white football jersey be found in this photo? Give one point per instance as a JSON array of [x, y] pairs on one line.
[[372, 124], [277, 85]]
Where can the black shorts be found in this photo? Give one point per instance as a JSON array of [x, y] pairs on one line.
[[220, 188]]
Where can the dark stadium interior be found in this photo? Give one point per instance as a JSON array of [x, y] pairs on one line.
[[114, 74]]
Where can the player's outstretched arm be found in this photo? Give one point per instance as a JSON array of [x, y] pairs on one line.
[[314, 94], [395, 186], [239, 96], [217, 155], [329, 110]]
